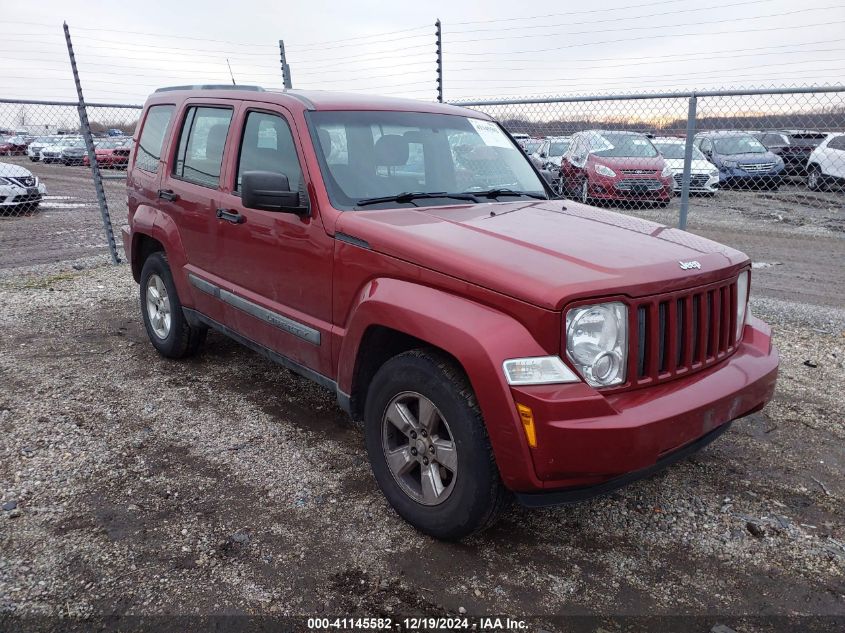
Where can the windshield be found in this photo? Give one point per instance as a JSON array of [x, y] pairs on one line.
[[623, 146], [738, 145], [532, 145], [365, 155], [558, 148], [676, 151]]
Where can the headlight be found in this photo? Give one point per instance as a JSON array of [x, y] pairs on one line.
[[597, 342], [729, 164], [667, 172], [714, 173], [5, 181], [741, 303], [604, 170], [539, 370]]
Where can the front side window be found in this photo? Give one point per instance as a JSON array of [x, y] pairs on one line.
[[267, 145], [365, 155], [152, 137], [201, 144]]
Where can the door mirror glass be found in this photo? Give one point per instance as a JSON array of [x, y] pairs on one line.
[[269, 191]]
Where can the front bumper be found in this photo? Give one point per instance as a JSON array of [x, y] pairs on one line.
[[586, 439], [13, 196], [622, 188], [700, 182], [735, 175]]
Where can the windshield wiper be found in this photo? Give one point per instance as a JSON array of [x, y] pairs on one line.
[[497, 193], [409, 196]]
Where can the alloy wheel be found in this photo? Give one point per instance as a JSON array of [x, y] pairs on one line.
[[419, 448], [158, 306]]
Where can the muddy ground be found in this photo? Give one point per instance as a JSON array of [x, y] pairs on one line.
[[226, 485]]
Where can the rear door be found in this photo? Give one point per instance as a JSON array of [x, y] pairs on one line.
[[834, 157], [190, 193]]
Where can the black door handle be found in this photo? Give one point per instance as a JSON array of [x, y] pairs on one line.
[[168, 194], [230, 216]]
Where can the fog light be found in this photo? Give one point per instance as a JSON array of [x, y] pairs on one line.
[[527, 417]]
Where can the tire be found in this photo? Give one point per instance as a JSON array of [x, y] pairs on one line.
[[815, 179], [168, 331], [661, 204], [471, 492], [584, 193]]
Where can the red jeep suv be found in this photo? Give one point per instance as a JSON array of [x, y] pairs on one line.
[[494, 341]]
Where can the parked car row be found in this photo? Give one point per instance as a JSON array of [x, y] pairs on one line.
[[615, 165], [111, 151]]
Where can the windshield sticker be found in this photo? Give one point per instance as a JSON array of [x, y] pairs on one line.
[[490, 133], [639, 141]]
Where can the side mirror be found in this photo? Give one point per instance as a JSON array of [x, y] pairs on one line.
[[270, 191], [543, 155]]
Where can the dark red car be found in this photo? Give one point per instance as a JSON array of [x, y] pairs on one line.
[[615, 166], [494, 341], [111, 153], [13, 145]]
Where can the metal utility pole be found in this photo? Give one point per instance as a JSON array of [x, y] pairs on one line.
[[685, 180], [285, 67], [89, 146], [438, 33]]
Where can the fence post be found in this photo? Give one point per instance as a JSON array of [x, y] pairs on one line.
[[438, 33], [685, 179], [286, 81], [89, 146]]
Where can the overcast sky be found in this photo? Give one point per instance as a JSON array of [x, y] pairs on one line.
[[492, 49]]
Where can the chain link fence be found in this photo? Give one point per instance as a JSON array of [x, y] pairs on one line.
[[49, 206], [774, 155], [749, 158]]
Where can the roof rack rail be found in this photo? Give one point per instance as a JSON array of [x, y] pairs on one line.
[[210, 87]]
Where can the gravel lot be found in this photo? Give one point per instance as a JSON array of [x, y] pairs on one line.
[[133, 484]]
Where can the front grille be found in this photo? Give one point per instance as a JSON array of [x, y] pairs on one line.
[[651, 184], [639, 172], [696, 181], [756, 168], [23, 181], [682, 332]]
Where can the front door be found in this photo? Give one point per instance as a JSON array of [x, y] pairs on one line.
[[279, 265]]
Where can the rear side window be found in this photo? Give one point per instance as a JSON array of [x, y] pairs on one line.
[[837, 142], [152, 137], [201, 144], [267, 145]]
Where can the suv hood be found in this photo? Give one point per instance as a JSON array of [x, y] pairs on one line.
[[616, 163], [15, 171], [697, 165], [545, 253], [768, 157]]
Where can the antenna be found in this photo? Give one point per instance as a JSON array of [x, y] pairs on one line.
[[231, 74]]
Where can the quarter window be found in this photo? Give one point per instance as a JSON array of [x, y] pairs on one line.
[[837, 142], [267, 145], [152, 137], [201, 145]]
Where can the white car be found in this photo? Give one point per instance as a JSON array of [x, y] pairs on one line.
[[19, 189], [34, 149], [826, 165], [53, 153], [704, 175]]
